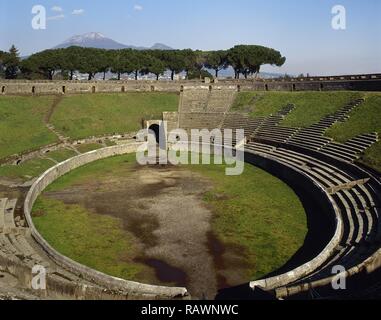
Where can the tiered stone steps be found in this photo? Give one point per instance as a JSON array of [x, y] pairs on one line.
[[270, 130], [313, 136], [7, 209], [352, 149], [209, 121], [204, 109], [220, 100], [238, 121], [359, 206], [194, 100]]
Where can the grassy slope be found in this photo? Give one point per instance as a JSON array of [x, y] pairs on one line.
[[310, 106], [269, 229], [21, 124], [82, 116], [365, 119], [61, 155], [83, 148], [27, 170]]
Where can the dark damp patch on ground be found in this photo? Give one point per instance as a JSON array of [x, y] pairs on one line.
[[217, 250], [166, 273], [229, 261], [143, 228]]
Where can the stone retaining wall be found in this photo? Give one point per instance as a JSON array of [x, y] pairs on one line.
[[127, 288], [297, 178], [23, 87], [270, 164]]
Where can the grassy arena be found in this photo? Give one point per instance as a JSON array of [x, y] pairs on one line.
[[254, 212]]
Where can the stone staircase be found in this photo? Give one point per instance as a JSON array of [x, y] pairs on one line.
[[204, 108], [61, 137], [313, 137], [271, 130], [352, 149], [358, 202]]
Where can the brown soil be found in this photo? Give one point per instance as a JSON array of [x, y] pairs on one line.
[[162, 207], [56, 102]]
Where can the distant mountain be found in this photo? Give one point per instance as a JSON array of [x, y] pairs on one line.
[[160, 46], [98, 40]]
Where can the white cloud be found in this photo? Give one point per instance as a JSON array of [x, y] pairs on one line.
[[78, 12], [58, 17], [57, 9], [138, 7]]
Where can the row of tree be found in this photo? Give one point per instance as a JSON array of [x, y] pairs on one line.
[[245, 59], [10, 63]]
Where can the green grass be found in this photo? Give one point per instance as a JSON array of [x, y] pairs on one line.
[[61, 155], [83, 148], [81, 116], [21, 124], [310, 106], [364, 119], [94, 240], [255, 212], [110, 143], [27, 170]]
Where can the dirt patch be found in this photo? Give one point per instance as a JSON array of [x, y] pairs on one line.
[[56, 102], [162, 207]]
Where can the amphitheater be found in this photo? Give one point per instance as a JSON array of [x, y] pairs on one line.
[[329, 172]]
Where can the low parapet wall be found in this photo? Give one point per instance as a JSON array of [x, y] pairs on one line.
[[297, 178], [23, 87], [136, 290], [126, 288]]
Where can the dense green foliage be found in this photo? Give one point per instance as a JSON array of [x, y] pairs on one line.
[[10, 63], [244, 59], [249, 59]]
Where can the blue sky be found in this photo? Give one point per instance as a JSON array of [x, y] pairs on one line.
[[300, 29]]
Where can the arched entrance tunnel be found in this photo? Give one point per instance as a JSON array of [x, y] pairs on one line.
[[155, 129]]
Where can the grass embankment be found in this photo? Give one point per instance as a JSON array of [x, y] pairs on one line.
[[364, 119], [81, 116], [35, 167], [310, 106], [61, 155], [22, 124], [27, 170], [255, 212]]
